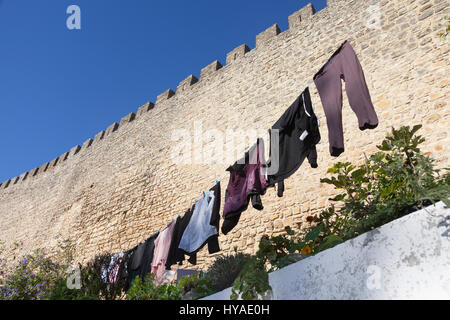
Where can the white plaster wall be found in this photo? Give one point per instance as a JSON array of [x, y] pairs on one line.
[[406, 259]]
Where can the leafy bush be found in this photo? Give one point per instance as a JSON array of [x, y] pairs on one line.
[[252, 281], [62, 292], [385, 187], [95, 275], [32, 278], [41, 276], [196, 286], [395, 181], [147, 290], [225, 269]]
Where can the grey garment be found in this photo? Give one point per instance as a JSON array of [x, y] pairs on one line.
[[199, 228], [344, 64]]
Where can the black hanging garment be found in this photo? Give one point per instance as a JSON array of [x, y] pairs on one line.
[[299, 133], [176, 255], [140, 262]]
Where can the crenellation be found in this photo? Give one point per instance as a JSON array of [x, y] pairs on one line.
[[237, 53], [99, 136], [24, 176], [44, 167], [53, 163], [166, 95], [301, 16], [34, 172], [112, 128], [187, 83], [64, 156], [144, 109], [210, 69], [87, 144], [15, 180], [6, 184], [267, 35], [128, 118], [74, 150]]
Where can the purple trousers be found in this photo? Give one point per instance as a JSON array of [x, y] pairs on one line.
[[344, 64]]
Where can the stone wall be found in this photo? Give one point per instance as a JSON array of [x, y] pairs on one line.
[[120, 187]]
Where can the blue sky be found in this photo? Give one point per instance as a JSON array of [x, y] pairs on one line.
[[59, 87]]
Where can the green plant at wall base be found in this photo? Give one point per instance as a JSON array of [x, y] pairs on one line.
[[95, 278], [62, 292], [31, 279], [252, 281], [384, 187], [225, 269], [147, 290], [196, 286], [397, 180]]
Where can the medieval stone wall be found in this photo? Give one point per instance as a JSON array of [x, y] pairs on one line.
[[122, 185]]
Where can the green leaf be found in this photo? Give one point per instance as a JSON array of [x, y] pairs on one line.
[[358, 174], [313, 234], [338, 198], [330, 242]]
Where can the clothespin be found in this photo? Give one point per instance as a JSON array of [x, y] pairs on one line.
[[204, 194], [217, 181]]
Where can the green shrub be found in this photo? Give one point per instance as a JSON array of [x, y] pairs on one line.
[[196, 286], [62, 292], [32, 278], [391, 183], [225, 270], [395, 181], [147, 290], [95, 275]]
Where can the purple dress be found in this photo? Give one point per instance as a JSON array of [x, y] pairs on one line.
[[247, 181]]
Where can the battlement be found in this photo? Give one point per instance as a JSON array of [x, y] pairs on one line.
[[296, 20]]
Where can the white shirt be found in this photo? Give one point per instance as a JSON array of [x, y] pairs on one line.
[[199, 228]]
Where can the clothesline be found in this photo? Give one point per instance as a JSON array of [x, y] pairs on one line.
[[299, 117]]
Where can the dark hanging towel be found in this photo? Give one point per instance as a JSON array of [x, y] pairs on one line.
[[176, 255], [140, 262], [299, 133], [247, 181], [344, 64]]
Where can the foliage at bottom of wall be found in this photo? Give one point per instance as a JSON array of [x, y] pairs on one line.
[[397, 180]]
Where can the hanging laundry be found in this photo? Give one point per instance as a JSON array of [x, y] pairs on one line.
[[203, 227], [140, 260], [162, 245], [344, 64], [247, 181], [114, 266], [298, 130], [175, 254]]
